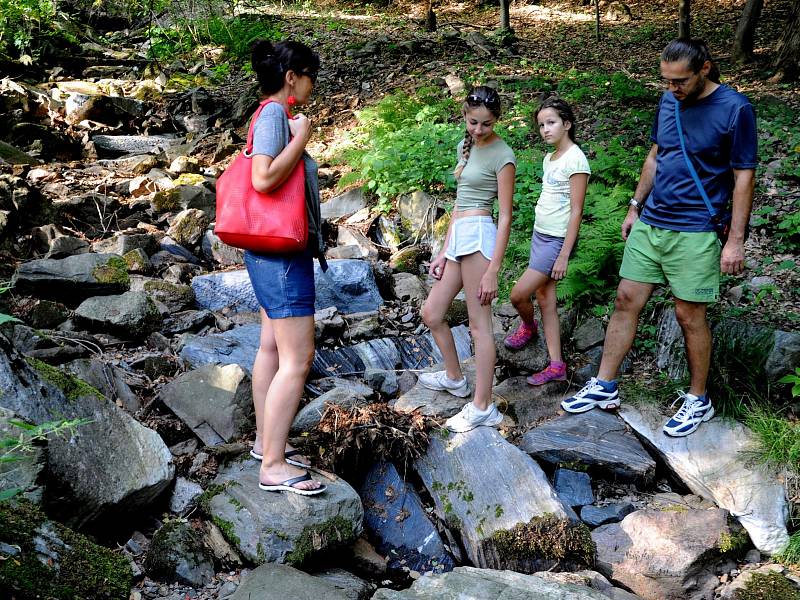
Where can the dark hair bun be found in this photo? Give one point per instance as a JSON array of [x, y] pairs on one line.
[[262, 52]]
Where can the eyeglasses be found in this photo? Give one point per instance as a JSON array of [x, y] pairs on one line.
[[491, 100], [678, 83]]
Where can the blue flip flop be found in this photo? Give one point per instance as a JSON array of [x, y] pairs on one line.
[[287, 455], [288, 486]]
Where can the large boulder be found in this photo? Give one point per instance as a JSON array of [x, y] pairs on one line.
[[284, 527], [493, 493], [715, 462], [597, 439], [111, 465], [43, 559], [468, 583], [177, 553], [310, 415], [129, 315], [107, 379], [21, 473], [529, 404], [397, 521], [434, 403], [343, 205], [665, 555], [349, 285], [214, 401], [74, 278]]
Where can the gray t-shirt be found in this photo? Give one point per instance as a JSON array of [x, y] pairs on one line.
[[270, 136]]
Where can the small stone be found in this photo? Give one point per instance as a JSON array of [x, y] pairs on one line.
[[752, 556]]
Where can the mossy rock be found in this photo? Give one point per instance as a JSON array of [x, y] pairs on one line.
[[332, 534], [546, 538], [406, 260], [73, 387], [173, 295], [189, 179], [44, 560], [177, 553], [167, 200], [115, 270]]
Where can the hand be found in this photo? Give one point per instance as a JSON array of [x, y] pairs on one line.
[[487, 289], [731, 260], [627, 224], [300, 126], [436, 268], [559, 268]]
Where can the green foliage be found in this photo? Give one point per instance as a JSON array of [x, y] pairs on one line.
[[779, 438], [791, 554], [6, 318], [794, 379], [546, 538], [22, 22], [592, 274], [582, 86], [402, 144], [17, 448], [235, 34], [733, 542]]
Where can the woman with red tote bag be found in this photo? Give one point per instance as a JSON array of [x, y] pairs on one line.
[[283, 282]]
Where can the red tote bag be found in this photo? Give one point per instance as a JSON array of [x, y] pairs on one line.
[[266, 223]]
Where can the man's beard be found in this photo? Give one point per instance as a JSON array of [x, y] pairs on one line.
[[698, 89]]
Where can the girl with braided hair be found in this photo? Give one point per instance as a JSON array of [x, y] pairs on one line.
[[472, 255]]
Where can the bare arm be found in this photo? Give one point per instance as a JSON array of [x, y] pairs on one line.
[[732, 258], [577, 196], [268, 173], [505, 197], [643, 190]]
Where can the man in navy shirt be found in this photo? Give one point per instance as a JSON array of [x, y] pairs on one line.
[[670, 229]]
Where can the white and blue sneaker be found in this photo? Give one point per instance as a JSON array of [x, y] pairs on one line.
[[694, 411], [602, 394], [439, 381]]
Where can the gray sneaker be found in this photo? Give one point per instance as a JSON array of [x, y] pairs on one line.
[[439, 381], [469, 417]]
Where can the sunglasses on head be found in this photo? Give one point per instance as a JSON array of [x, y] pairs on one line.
[[312, 75], [490, 100]]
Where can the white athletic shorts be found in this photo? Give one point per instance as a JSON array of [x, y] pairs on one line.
[[469, 235]]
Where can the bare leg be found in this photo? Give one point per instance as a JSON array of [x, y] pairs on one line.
[[528, 284], [264, 368], [621, 330], [433, 313], [546, 297], [697, 335], [473, 268], [294, 337]]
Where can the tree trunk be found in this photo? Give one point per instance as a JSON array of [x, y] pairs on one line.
[[684, 18], [430, 18], [505, 17], [746, 31], [788, 61], [597, 19]]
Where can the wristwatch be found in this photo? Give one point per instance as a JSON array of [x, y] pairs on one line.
[[639, 205]]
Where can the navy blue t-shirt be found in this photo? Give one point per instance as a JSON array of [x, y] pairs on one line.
[[720, 134]]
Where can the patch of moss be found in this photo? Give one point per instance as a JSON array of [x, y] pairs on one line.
[[189, 179], [546, 538], [334, 532], [167, 200], [235, 503], [204, 499], [768, 586], [134, 260], [82, 569], [676, 508], [733, 542], [73, 387], [166, 291], [115, 270], [227, 529]]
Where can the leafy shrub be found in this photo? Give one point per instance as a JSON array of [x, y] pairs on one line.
[[403, 144], [23, 20]]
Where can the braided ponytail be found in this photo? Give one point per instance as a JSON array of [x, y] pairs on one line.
[[465, 150]]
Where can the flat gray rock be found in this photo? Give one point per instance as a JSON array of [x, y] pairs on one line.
[[214, 401], [597, 439], [468, 583], [282, 527], [715, 462], [435, 403], [481, 484], [531, 358], [594, 516], [282, 581], [529, 404], [74, 278], [310, 415]]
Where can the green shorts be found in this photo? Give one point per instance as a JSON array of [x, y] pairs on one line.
[[687, 260]]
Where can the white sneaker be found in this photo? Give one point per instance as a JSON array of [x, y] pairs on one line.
[[469, 417], [439, 381]]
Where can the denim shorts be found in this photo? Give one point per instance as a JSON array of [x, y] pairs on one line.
[[544, 252], [469, 235], [283, 283]]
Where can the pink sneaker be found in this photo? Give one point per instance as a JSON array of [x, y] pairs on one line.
[[520, 338], [555, 371]]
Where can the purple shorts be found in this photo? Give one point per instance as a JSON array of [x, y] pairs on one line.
[[544, 252]]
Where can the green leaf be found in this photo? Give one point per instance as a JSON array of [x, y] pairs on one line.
[[9, 493]]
